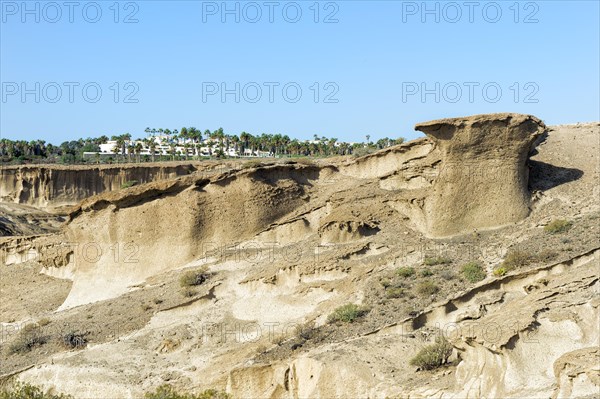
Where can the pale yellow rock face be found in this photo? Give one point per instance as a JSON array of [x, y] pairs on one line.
[[482, 182]]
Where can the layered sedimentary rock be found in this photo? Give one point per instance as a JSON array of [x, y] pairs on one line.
[[152, 228], [482, 180], [52, 186]]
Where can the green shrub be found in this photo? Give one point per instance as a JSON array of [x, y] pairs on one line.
[[395, 292], [168, 392], [129, 183], [192, 278], [29, 337], [500, 271], [436, 261], [473, 272], [558, 226], [405, 272], [427, 288], [426, 273], [347, 313], [27, 391], [385, 283], [432, 356]]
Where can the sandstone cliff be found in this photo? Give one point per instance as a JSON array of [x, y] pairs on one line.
[[483, 175], [55, 186]]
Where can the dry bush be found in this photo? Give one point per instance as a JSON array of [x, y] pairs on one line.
[[433, 356], [513, 260], [405, 271], [558, 226], [395, 292], [347, 313], [168, 392], [29, 337], [75, 340], [440, 260], [427, 287], [193, 278]]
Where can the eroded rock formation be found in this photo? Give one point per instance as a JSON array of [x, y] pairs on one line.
[[482, 181], [284, 244], [54, 186]]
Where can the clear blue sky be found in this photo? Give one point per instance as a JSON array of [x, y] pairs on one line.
[[378, 56]]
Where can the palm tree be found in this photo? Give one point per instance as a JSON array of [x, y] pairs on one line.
[[130, 150], [138, 150], [152, 147], [172, 145], [116, 149]]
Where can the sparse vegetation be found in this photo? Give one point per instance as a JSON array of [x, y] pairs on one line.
[[306, 331], [192, 278], [279, 340], [395, 292], [75, 340], [437, 261], [255, 163], [362, 151], [43, 322], [20, 390], [29, 337], [426, 273], [347, 313], [432, 356], [473, 272], [405, 272], [427, 287], [189, 292], [558, 226], [305, 161], [168, 392], [546, 255], [447, 275], [129, 183], [157, 301], [385, 283], [513, 260]]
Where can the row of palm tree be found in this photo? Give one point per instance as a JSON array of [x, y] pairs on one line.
[[275, 144], [67, 151], [191, 140]]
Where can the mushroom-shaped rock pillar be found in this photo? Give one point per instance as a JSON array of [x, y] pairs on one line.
[[483, 176]]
